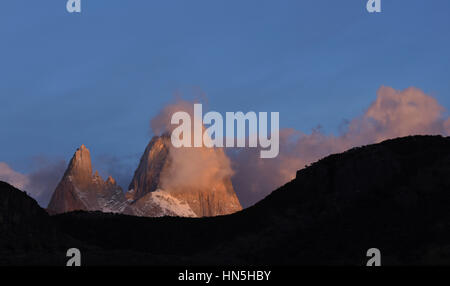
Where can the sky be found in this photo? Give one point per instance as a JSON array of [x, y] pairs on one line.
[[97, 78]]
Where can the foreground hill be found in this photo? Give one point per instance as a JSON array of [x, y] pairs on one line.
[[393, 196], [27, 233]]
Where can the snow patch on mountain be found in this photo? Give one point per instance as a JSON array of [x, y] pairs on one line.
[[160, 203]]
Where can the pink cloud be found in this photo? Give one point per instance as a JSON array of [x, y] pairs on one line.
[[393, 114]]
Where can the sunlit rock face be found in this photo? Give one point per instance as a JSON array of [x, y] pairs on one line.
[[147, 176], [152, 192], [156, 167], [79, 189]]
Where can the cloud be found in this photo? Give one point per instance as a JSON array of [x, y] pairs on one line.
[[45, 178], [161, 122], [40, 183], [16, 179], [393, 114], [399, 113], [196, 168], [192, 168]]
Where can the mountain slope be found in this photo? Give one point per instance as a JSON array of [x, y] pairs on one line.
[[159, 203], [28, 236], [21, 220]]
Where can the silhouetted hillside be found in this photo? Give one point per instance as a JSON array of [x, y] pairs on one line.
[[394, 196], [26, 230]]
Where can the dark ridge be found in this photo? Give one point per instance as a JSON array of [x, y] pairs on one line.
[[394, 196], [26, 229]]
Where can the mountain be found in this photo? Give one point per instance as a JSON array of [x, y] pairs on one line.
[[79, 189], [218, 198], [147, 176], [393, 196]]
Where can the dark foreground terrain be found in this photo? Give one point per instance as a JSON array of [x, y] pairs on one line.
[[394, 196]]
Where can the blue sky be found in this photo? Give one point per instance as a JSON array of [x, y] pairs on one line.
[[97, 78]]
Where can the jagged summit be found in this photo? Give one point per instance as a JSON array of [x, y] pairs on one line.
[[79, 189], [80, 166], [111, 180], [147, 176]]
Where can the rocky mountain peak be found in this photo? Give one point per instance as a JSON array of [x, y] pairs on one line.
[[80, 166], [79, 189], [217, 199], [111, 180], [147, 175]]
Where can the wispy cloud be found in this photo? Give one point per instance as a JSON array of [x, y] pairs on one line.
[[40, 183]]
